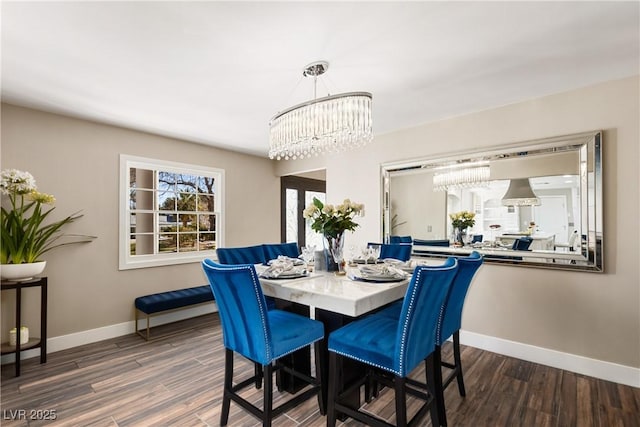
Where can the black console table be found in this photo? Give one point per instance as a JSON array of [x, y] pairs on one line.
[[33, 342]]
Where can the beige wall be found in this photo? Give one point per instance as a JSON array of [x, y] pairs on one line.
[[592, 315], [415, 203], [78, 162]]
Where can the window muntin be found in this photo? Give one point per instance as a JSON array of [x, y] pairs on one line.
[[172, 212]]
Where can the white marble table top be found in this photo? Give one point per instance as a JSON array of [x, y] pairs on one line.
[[339, 294]]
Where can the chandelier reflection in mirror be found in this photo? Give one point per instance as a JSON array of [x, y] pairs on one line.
[[467, 177], [329, 124]]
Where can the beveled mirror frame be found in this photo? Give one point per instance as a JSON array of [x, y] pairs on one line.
[[586, 147]]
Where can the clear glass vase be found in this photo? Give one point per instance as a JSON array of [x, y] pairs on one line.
[[335, 245], [460, 236]]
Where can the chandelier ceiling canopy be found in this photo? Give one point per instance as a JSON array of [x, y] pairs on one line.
[[520, 193], [329, 124]]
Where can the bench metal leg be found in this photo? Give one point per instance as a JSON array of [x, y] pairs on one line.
[[138, 330]]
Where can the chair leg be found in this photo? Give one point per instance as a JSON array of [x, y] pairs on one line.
[[228, 383], [458, 362], [371, 387], [433, 370], [333, 390], [267, 414], [317, 348], [257, 369], [401, 401]]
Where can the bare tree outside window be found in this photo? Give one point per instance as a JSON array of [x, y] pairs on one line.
[[171, 211]]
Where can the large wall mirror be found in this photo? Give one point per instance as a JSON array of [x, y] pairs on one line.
[[535, 203]]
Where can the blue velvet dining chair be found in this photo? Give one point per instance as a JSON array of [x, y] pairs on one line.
[[274, 250], [449, 325], [246, 255], [435, 242], [400, 251], [241, 255], [477, 238], [260, 335], [522, 244], [421, 246], [392, 348], [400, 239]]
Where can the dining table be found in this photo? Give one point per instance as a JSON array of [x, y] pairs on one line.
[[340, 294], [335, 300]]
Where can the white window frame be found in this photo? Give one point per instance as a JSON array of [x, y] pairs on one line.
[[126, 260]]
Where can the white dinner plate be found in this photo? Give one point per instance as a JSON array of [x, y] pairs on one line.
[[295, 261], [285, 275], [377, 279]]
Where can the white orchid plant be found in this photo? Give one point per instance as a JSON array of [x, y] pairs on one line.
[[25, 236]]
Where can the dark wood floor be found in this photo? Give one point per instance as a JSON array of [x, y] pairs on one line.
[[177, 381]]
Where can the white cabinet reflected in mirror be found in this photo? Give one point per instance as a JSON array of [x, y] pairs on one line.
[[536, 203]]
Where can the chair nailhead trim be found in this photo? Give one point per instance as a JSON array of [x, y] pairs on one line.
[[439, 325], [368, 362], [297, 348], [256, 285], [406, 319]]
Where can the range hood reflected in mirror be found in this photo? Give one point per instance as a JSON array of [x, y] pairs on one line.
[[563, 173], [520, 194]]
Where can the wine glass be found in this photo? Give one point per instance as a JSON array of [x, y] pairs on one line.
[[308, 255], [374, 252], [352, 254], [366, 253]]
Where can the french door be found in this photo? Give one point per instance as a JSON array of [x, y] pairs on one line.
[[296, 194]]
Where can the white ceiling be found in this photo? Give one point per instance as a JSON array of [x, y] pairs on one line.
[[216, 72]]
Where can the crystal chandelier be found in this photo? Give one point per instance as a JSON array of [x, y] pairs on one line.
[[329, 124], [461, 178]]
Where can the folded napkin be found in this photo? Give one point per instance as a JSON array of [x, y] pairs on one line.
[[406, 266], [283, 267], [410, 266], [284, 258], [381, 271]]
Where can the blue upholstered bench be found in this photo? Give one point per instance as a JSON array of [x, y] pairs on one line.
[[170, 300]]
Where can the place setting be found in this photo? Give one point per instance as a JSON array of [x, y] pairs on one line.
[[406, 266], [285, 267], [377, 273]]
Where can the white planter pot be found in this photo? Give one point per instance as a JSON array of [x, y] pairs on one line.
[[21, 272]]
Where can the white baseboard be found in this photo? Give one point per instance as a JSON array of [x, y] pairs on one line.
[[64, 342], [570, 362], [621, 374]]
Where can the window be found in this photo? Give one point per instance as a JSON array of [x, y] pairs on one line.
[[170, 213]]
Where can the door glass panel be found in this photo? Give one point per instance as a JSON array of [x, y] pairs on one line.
[[292, 215], [311, 237]]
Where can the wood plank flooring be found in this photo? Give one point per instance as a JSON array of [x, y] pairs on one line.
[[177, 381]]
